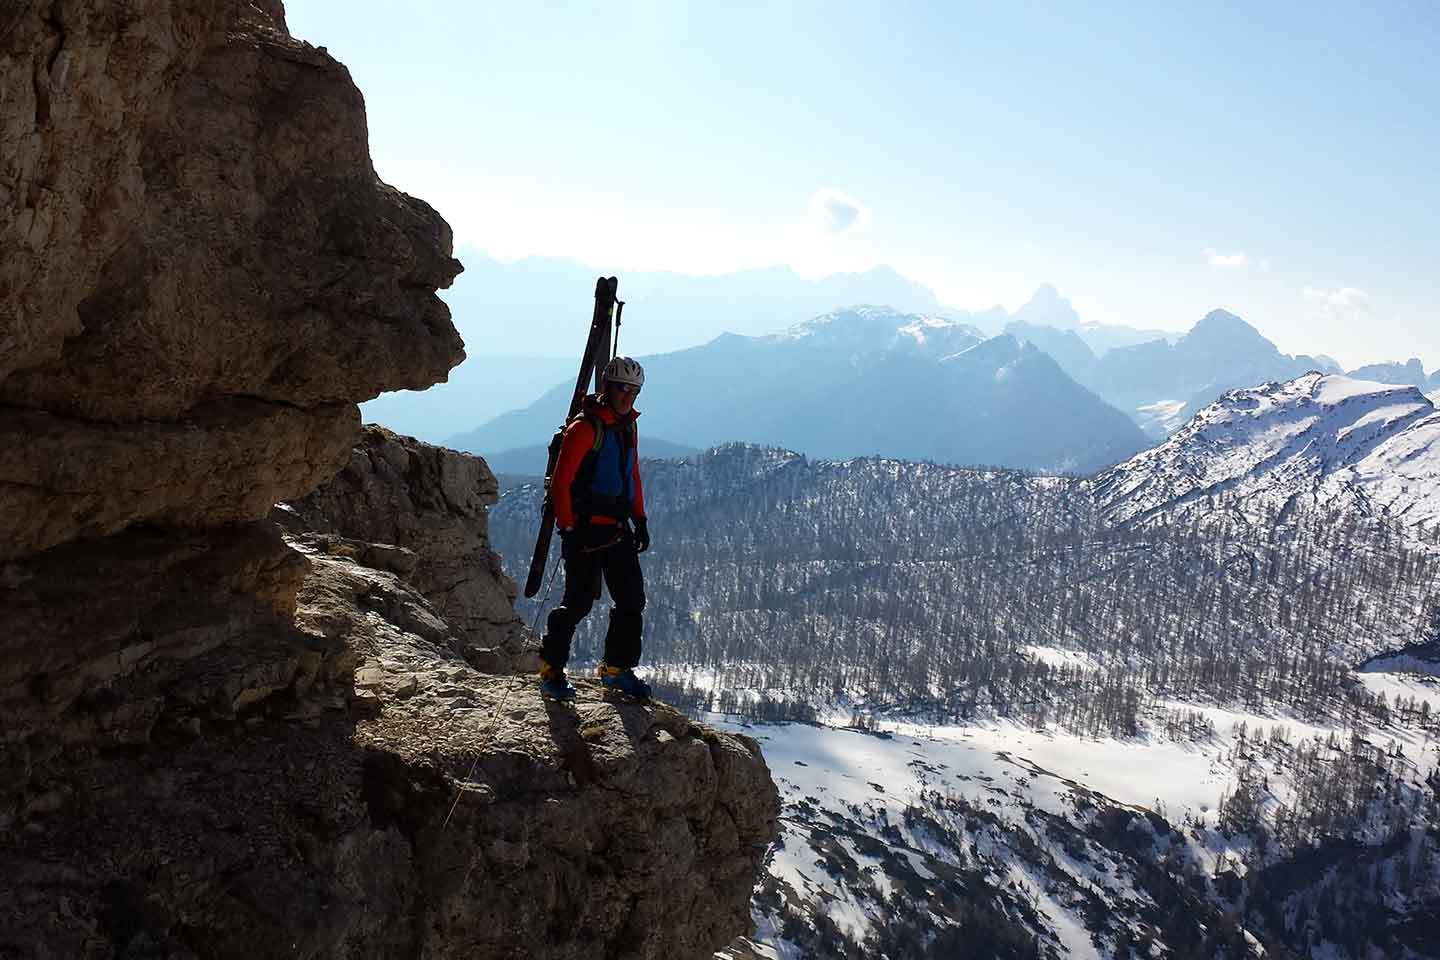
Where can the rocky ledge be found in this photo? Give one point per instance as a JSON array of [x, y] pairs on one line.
[[229, 782]]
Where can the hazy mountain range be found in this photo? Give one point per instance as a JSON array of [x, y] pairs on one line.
[[862, 381], [1156, 378], [541, 305], [1410, 372], [524, 324], [1047, 308], [1161, 384]]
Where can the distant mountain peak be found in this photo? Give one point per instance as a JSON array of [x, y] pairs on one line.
[[1224, 332], [1223, 321], [1220, 315], [1048, 309]]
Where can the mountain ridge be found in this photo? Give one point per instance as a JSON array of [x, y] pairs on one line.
[[1321, 436], [860, 381]]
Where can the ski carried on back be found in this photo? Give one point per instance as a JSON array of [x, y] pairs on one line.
[[597, 353]]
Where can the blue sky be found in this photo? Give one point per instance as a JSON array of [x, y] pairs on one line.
[[1152, 162]]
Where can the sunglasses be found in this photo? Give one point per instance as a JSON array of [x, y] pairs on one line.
[[625, 387]]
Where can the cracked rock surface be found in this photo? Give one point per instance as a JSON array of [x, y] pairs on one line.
[[431, 502]]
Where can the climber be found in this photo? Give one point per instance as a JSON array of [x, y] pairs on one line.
[[600, 512]]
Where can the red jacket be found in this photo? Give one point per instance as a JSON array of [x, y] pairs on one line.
[[579, 439]]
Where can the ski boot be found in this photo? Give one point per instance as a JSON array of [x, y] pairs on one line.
[[554, 685], [624, 681]]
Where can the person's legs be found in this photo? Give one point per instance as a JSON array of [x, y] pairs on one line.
[[581, 569], [626, 583]]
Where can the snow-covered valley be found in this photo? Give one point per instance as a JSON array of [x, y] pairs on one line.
[[1041, 828]]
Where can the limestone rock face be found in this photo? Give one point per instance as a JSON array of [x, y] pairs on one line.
[[224, 463], [430, 501], [98, 640], [339, 784], [194, 236], [218, 739], [81, 82]]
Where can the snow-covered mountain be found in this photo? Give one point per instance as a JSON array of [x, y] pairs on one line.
[[873, 330], [863, 381], [1317, 438]]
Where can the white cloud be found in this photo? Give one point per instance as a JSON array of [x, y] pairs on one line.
[[836, 212], [1343, 305], [1218, 259], [1342, 297]]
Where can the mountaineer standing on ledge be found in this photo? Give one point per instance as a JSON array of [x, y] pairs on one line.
[[600, 512]]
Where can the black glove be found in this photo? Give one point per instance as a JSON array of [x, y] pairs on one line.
[[642, 534]]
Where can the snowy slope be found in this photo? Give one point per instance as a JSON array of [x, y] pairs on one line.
[[1324, 437], [875, 824], [1058, 836]]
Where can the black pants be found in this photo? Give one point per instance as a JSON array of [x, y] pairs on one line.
[[589, 552]]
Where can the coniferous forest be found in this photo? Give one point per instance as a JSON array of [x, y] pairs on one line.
[[886, 585]]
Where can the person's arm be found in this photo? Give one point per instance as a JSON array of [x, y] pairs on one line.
[[579, 437], [637, 507]]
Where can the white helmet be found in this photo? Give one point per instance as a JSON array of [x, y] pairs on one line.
[[624, 370]]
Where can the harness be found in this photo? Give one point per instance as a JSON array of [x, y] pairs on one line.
[[604, 483]]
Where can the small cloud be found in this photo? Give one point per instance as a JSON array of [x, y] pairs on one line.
[[1340, 297], [836, 212], [1218, 259], [1342, 304]]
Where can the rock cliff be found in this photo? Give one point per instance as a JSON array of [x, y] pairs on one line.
[[225, 736], [430, 504], [202, 272]]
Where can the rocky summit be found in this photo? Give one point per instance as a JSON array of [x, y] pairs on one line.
[[229, 729]]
